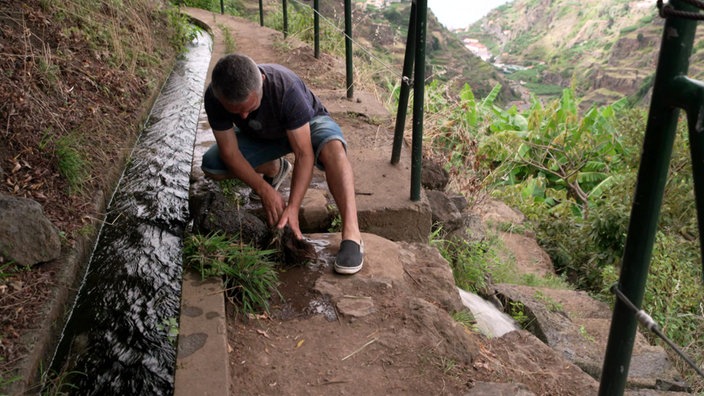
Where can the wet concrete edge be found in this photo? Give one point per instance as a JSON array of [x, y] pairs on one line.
[[202, 360]]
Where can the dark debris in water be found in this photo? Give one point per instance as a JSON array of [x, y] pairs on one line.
[[292, 251]]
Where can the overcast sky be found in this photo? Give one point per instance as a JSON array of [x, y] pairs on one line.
[[461, 13]]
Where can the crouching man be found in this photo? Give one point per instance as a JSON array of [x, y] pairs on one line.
[[260, 113]]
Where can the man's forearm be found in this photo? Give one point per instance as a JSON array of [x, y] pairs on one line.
[[300, 180], [241, 169]]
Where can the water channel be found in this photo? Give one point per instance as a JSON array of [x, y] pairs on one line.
[[117, 339]]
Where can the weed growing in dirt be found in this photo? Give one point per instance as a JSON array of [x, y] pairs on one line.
[[7, 381], [471, 262], [71, 162], [231, 189], [6, 270], [249, 274], [229, 40], [466, 319], [56, 384], [519, 313], [170, 327]]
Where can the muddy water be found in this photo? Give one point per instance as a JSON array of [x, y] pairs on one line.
[[116, 341], [298, 298]]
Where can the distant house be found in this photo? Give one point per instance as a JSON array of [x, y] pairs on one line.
[[380, 3], [477, 48]]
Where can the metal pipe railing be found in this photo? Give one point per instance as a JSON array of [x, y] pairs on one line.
[[261, 13], [348, 49], [418, 98], [670, 92], [316, 28], [405, 88]]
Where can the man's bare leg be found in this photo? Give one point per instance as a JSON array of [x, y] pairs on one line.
[[340, 179]]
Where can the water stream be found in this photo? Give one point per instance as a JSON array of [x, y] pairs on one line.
[[116, 341], [491, 321]]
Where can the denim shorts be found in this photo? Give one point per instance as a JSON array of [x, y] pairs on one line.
[[323, 129]]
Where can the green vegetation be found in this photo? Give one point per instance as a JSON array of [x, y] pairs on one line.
[[71, 163], [231, 7], [170, 327], [249, 274], [465, 318], [300, 25], [573, 174], [229, 40]]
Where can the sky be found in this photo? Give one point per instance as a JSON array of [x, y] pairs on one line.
[[461, 13]]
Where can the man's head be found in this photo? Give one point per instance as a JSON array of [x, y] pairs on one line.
[[237, 84]]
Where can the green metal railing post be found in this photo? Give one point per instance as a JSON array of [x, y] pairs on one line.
[[406, 81], [316, 28], [261, 12], [695, 121], [285, 18], [348, 48], [675, 50], [418, 99]]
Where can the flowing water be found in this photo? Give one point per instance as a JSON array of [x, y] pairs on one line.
[[117, 341], [491, 321]]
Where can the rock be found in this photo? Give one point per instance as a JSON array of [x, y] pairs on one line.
[[433, 176], [355, 306], [471, 229], [27, 237], [522, 358], [444, 212], [314, 215], [499, 389], [213, 212], [495, 212], [459, 200], [431, 273], [577, 326], [530, 257]]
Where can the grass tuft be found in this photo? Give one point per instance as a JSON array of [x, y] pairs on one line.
[[249, 274]]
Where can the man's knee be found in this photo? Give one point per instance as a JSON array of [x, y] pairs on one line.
[[216, 176], [333, 151]]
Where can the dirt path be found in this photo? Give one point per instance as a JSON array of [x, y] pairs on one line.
[[385, 330]]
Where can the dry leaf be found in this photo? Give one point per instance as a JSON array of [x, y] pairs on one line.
[[298, 345]]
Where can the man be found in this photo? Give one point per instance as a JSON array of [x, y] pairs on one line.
[[258, 114]]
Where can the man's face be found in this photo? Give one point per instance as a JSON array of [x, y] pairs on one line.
[[243, 109]]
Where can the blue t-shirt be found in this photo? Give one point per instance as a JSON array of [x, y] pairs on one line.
[[286, 104]]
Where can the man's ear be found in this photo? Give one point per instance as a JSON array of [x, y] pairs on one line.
[[263, 77]]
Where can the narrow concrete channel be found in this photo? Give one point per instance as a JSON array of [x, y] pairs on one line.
[[119, 338]]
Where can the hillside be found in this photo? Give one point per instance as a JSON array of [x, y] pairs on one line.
[[78, 81], [448, 61], [606, 50]]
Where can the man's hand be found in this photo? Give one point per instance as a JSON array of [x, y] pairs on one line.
[[290, 218], [273, 204]]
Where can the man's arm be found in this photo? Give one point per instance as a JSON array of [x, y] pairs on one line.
[[240, 168], [299, 139]]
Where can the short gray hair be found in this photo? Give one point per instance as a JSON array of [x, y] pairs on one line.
[[234, 77]]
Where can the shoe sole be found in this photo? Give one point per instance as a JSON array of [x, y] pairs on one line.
[[288, 168], [348, 270]]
